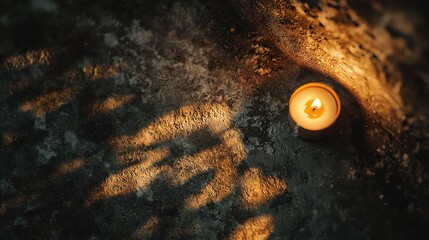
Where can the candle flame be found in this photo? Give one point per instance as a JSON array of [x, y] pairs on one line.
[[316, 104]]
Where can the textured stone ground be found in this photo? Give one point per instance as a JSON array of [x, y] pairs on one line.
[[165, 119]]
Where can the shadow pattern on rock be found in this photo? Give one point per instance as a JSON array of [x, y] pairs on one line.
[[177, 130]]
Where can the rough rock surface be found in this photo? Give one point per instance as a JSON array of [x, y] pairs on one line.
[[165, 119], [330, 37]]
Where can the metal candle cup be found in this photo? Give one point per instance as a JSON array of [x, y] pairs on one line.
[[313, 110]]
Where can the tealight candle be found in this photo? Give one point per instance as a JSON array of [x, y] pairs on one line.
[[313, 109]]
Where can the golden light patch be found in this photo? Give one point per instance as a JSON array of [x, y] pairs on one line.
[[18, 86], [188, 167], [220, 187], [224, 160], [100, 71], [257, 189], [47, 103], [182, 122], [145, 158], [16, 202], [67, 168], [231, 149], [9, 139], [109, 104], [148, 228], [233, 141], [259, 227], [129, 180], [21, 61]]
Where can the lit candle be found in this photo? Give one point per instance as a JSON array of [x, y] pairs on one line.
[[313, 109]]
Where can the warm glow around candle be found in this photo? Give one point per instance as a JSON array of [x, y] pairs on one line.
[[314, 106]]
